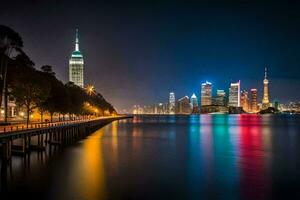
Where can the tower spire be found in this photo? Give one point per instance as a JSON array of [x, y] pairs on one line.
[[266, 72], [266, 101], [77, 41]]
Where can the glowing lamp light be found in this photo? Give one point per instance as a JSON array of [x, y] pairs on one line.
[[2, 111], [22, 114], [90, 89]]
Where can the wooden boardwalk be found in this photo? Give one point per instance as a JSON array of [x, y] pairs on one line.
[[22, 141]]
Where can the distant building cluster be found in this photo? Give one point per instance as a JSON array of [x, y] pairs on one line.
[[292, 107], [235, 101]]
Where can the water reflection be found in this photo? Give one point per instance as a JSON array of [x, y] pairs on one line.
[[168, 157], [84, 175], [114, 146], [254, 180]]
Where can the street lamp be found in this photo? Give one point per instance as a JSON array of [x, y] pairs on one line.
[[22, 114], [90, 89], [96, 111]]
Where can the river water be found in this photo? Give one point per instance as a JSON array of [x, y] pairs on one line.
[[168, 157]]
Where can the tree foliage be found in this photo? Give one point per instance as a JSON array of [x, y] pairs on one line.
[[10, 42], [28, 86]]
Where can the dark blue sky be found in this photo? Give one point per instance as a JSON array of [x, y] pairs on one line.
[[136, 53]]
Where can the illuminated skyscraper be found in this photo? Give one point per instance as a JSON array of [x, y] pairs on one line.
[[254, 107], [234, 95], [137, 110], [245, 101], [206, 94], [76, 65], [194, 102], [220, 98], [266, 101], [172, 103], [184, 106], [160, 108]]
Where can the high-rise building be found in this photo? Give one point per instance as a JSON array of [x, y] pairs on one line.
[[266, 101], [184, 106], [172, 103], [206, 94], [220, 99], [155, 109], [234, 95], [245, 101], [194, 103], [166, 108], [137, 110], [76, 65], [254, 106], [150, 109], [160, 108]]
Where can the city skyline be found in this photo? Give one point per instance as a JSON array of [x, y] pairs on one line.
[[156, 52], [236, 100]]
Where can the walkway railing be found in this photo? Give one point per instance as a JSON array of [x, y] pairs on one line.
[[39, 135], [23, 126]]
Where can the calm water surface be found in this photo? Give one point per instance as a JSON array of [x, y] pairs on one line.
[[168, 157]]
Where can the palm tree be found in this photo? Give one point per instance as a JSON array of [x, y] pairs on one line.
[[10, 42]]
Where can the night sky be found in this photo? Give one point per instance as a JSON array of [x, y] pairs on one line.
[[136, 53]]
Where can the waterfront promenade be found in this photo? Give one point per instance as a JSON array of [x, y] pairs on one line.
[[34, 125], [37, 137]]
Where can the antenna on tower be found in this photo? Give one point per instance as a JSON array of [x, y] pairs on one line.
[[77, 41], [266, 70]]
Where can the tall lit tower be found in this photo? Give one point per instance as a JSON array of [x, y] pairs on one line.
[[194, 101], [265, 101], [172, 103], [234, 95], [221, 98], [76, 65], [254, 107], [245, 101], [206, 94]]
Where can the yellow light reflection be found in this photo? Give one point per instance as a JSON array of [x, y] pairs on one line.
[[114, 155], [91, 174], [136, 142]]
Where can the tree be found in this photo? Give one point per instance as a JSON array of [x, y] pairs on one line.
[[28, 87], [57, 100], [10, 41], [47, 69], [76, 97]]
